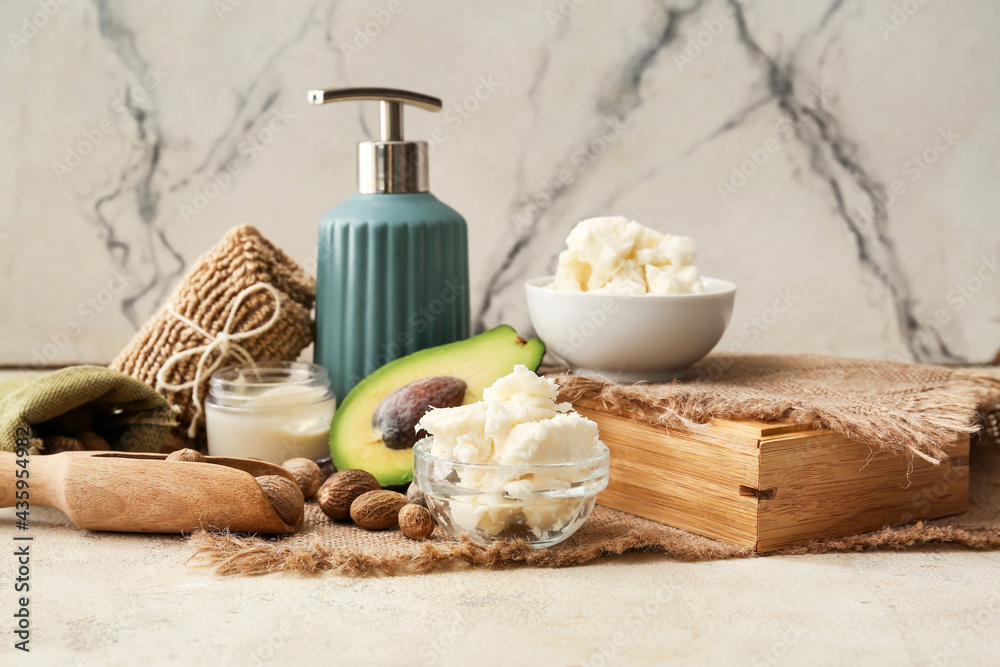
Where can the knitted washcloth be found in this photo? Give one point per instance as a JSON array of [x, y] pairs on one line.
[[242, 259]]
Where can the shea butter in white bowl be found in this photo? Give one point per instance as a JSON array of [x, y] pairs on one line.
[[630, 337]]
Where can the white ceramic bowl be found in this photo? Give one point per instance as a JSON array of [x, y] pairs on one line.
[[630, 338]]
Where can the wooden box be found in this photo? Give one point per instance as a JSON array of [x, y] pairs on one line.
[[771, 485]]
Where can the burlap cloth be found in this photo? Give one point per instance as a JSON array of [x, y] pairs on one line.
[[206, 296], [910, 407], [897, 406]]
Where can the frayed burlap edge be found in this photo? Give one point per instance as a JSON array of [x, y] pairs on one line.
[[919, 427], [901, 537], [226, 554]]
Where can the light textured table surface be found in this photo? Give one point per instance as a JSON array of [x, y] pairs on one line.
[[109, 599]]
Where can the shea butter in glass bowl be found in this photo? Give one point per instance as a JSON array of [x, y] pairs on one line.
[[272, 411], [542, 504]]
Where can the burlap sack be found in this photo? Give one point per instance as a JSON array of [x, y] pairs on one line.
[[209, 296], [908, 407], [129, 415]]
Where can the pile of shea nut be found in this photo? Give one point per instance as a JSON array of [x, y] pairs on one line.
[[356, 495], [349, 494]]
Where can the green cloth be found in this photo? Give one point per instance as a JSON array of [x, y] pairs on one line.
[[126, 403]]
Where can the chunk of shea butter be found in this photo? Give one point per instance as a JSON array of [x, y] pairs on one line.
[[459, 433], [519, 398], [560, 439], [613, 255], [518, 422]]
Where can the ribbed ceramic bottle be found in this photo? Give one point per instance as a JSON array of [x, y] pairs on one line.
[[393, 270], [392, 279]]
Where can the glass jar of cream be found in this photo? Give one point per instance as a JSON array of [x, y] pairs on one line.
[[272, 411]]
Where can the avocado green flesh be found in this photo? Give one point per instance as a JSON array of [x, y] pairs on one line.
[[479, 361]]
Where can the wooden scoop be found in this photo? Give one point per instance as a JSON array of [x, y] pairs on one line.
[[145, 493]]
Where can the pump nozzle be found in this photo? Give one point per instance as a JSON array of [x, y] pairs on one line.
[[390, 164]]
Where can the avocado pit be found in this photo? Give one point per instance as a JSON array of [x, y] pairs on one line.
[[395, 419]]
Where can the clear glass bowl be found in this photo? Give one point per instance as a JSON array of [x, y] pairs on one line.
[[540, 504]]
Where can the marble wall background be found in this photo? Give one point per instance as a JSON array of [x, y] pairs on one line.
[[117, 119]]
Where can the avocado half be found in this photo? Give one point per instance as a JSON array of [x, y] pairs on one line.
[[478, 361]]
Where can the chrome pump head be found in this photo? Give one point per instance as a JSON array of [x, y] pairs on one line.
[[390, 165]]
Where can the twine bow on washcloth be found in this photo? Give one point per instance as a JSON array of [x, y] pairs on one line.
[[224, 342]]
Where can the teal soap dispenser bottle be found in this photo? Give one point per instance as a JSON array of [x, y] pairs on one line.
[[393, 270]]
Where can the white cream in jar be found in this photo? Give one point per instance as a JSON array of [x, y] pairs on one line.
[[272, 411]]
